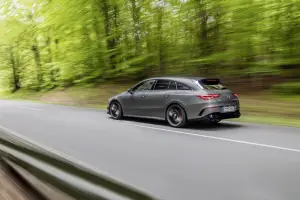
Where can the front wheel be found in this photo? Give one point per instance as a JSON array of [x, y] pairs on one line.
[[115, 110], [176, 116]]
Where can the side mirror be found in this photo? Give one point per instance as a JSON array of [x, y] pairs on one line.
[[130, 91]]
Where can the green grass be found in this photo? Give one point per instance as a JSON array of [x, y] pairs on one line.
[[270, 106], [262, 108], [270, 120], [22, 94]]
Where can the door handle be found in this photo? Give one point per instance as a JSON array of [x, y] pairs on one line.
[[143, 96]]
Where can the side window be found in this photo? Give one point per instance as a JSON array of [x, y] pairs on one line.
[[147, 85], [181, 86], [172, 85], [162, 85]]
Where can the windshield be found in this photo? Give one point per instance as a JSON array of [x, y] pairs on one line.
[[212, 84]]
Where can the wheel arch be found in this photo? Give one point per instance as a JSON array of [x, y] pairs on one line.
[[117, 101], [175, 103], [114, 100]]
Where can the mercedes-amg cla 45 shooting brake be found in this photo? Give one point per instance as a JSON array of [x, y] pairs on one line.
[[176, 100]]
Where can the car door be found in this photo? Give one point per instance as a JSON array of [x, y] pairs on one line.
[[156, 100], [135, 101]]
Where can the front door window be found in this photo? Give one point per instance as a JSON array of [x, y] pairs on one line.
[[144, 86]]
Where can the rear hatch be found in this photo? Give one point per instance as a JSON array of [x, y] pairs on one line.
[[214, 86]]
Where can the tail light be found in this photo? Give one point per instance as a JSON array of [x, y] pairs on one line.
[[209, 96], [236, 95]]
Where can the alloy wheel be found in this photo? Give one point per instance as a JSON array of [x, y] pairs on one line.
[[115, 110], [176, 116]]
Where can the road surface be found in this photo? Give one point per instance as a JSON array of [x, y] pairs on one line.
[[232, 161]]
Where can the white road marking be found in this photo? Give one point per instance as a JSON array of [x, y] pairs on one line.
[[219, 138], [35, 109]]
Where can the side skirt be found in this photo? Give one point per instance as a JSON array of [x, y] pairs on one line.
[[145, 117]]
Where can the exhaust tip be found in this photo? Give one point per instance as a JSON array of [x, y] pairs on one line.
[[215, 117]]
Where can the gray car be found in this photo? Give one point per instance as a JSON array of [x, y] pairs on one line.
[[176, 100]]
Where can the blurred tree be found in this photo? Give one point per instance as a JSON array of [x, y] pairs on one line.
[[52, 43]]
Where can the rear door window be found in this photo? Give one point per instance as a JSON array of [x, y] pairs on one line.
[[212, 84], [172, 85], [162, 85]]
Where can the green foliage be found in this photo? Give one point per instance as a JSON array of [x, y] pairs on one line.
[[59, 43], [292, 88]]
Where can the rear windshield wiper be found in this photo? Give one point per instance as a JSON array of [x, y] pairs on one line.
[[224, 88]]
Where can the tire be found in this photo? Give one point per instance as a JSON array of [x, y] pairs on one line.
[[115, 110], [215, 123], [176, 116]]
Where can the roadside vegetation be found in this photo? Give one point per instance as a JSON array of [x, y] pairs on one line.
[[82, 52]]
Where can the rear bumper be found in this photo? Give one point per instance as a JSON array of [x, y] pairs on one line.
[[199, 111], [236, 114], [218, 116]]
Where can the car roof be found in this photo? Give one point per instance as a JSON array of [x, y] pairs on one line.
[[178, 78], [181, 79]]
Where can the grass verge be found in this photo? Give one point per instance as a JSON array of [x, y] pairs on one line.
[[269, 120]]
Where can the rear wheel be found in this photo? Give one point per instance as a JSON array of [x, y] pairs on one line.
[[115, 110], [176, 116]]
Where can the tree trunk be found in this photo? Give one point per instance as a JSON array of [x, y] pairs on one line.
[[37, 60], [56, 41], [110, 39], [49, 49], [160, 40], [16, 77], [135, 11], [202, 34]]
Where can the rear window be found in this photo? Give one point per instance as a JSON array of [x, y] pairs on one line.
[[181, 86], [212, 84]]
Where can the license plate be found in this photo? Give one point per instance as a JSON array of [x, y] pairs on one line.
[[229, 109]]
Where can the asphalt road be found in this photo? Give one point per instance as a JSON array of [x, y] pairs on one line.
[[232, 161]]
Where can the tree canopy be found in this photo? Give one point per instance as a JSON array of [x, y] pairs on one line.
[[50, 43]]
